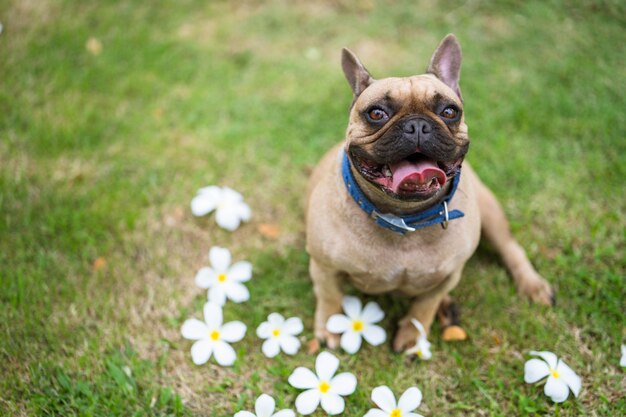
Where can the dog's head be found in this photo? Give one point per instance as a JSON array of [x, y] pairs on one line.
[[407, 136]]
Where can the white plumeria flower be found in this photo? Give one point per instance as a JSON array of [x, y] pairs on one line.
[[324, 388], [622, 361], [357, 324], [384, 398], [230, 209], [212, 337], [264, 407], [280, 335], [422, 345], [561, 378], [223, 280]]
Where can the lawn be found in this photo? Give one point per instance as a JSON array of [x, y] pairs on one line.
[[113, 114]]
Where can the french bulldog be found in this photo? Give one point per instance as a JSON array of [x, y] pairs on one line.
[[395, 209]]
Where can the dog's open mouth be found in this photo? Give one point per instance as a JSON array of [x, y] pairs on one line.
[[416, 176]]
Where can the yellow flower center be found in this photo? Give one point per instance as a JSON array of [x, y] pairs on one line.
[[221, 277], [215, 335], [555, 373], [276, 332], [357, 325], [324, 387], [419, 353], [396, 413]]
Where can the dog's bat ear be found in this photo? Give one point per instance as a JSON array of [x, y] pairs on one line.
[[445, 63], [356, 74]]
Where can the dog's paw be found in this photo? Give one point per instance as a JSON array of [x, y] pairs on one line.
[[406, 336], [331, 340], [537, 289]]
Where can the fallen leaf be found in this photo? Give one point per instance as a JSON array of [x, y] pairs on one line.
[[98, 264], [175, 217], [453, 333], [269, 230], [93, 46]]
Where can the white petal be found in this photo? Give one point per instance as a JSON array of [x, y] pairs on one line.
[[231, 196], [233, 331], [622, 361], [194, 329], [338, 323], [270, 348], [241, 271], [289, 344], [418, 325], [351, 342], [227, 218], [534, 370], [220, 259], [372, 313], [426, 353], [351, 306], [205, 277], [213, 315], [569, 377], [384, 398], [375, 412], [244, 414], [549, 357], [421, 349], [217, 295], [224, 353], [285, 413], [206, 200], [264, 331], [237, 292], [276, 319], [374, 335], [293, 326], [326, 365], [556, 389], [343, 384], [410, 400], [264, 406], [308, 401], [303, 378], [244, 212], [333, 404], [201, 351]]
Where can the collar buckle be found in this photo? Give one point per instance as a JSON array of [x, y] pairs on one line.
[[446, 215], [392, 220]]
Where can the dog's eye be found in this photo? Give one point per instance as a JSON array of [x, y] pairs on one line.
[[449, 113], [377, 115]]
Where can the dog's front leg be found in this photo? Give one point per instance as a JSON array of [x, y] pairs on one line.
[[423, 308], [327, 287]]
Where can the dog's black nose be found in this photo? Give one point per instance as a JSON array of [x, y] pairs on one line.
[[417, 129]]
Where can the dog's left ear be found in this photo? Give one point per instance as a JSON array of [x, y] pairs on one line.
[[445, 63]]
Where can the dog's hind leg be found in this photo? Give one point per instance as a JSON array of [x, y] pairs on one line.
[[448, 312], [495, 228]]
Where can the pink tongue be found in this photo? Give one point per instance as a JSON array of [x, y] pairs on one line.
[[413, 176]]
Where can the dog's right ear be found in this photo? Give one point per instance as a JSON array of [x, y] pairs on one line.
[[356, 74]]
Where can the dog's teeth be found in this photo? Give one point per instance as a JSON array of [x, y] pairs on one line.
[[387, 172]]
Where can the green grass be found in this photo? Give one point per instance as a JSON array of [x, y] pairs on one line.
[[101, 154]]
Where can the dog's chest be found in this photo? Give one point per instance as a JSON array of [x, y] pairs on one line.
[[408, 271]]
